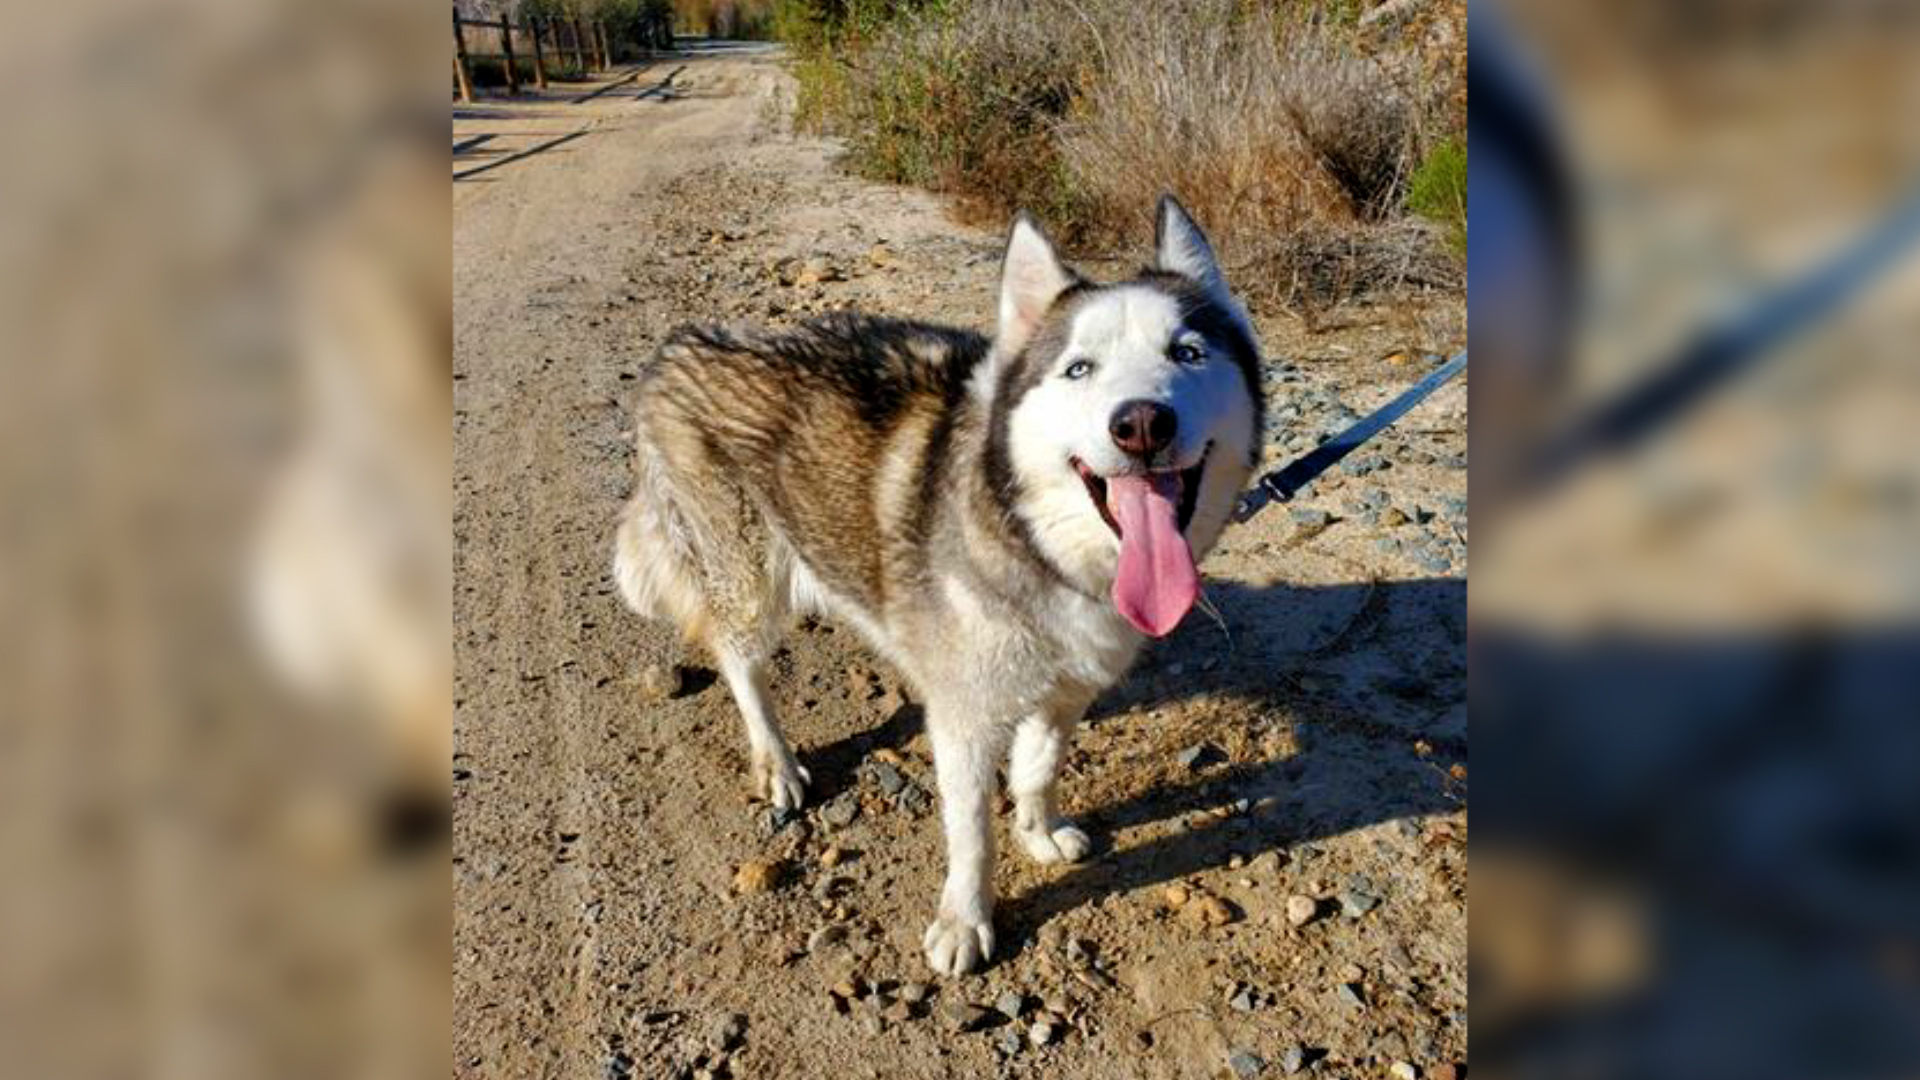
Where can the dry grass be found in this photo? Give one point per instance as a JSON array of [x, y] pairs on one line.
[[1289, 133]]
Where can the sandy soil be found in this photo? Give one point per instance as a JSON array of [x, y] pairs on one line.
[[600, 820]]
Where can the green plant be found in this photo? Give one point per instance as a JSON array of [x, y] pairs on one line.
[[1438, 190]]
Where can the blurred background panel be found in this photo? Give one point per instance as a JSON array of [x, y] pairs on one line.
[[224, 538], [1696, 603]]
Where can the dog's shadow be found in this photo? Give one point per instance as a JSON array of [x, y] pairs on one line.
[[1370, 678]]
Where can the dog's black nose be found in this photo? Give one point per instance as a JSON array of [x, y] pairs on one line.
[[1143, 428]]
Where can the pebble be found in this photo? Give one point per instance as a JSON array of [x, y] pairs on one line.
[[888, 757], [727, 1032], [618, 1066], [964, 1016], [1302, 909], [1213, 911], [915, 992], [1307, 518], [1176, 896], [1349, 994], [887, 777], [1393, 517], [826, 937], [833, 856], [1242, 1001], [658, 682], [778, 818], [758, 876], [840, 812], [1042, 1032], [874, 1023], [1011, 1004], [1010, 1042], [1197, 756], [1404, 1070], [1293, 1059], [1354, 903], [851, 989], [1245, 1063]]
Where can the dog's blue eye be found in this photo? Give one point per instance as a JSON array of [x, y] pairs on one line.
[[1187, 353], [1079, 369]]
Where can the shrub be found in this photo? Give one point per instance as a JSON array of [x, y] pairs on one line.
[[1438, 190], [1266, 120]]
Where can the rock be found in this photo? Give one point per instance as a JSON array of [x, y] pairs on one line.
[[1176, 896], [1302, 909], [1393, 517], [1010, 1042], [888, 757], [1212, 911], [1199, 755], [886, 776], [826, 938], [727, 1032], [1293, 1059], [833, 856], [1349, 994], [915, 992], [1354, 903], [1245, 1063], [778, 818], [1079, 952], [873, 1023], [1404, 1070], [1242, 1000], [965, 1016], [817, 270], [1042, 1032], [1011, 1004], [880, 255], [758, 876], [658, 682], [618, 1066], [840, 812]]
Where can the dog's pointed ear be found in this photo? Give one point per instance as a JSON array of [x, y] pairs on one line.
[[1181, 248], [1031, 279]]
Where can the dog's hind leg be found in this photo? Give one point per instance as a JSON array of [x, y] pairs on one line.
[[1033, 767], [777, 776]]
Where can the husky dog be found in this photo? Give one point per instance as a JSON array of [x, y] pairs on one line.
[[1004, 520]]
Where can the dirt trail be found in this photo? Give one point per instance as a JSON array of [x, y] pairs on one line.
[[599, 827]]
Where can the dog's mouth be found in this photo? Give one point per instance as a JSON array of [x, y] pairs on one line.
[[1155, 581], [1187, 481]]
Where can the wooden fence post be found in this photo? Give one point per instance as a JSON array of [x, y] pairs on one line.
[[460, 60], [506, 46], [539, 61], [579, 46]]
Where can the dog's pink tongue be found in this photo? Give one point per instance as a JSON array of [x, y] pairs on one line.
[[1156, 583]]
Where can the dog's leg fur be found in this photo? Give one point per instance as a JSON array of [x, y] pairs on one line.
[[965, 749], [1039, 742], [777, 776]]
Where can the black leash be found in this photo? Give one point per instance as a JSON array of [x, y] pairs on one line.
[[1284, 483]]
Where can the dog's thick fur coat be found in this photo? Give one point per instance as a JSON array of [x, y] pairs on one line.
[[920, 483]]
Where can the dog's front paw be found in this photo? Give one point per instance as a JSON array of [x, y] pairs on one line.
[[781, 781], [956, 946], [1054, 842]]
